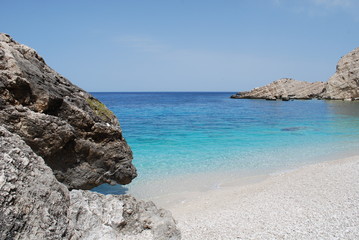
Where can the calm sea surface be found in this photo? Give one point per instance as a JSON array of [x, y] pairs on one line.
[[182, 135]]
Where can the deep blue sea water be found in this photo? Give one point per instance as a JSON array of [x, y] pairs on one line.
[[190, 133]]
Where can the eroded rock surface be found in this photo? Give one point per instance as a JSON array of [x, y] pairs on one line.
[[96, 216], [76, 135], [34, 205], [285, 89], [344, 84]]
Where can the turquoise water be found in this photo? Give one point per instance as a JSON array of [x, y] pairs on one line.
[[181, 134]]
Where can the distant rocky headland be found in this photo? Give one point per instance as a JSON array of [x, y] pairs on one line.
[[57, 141], [343, 85]]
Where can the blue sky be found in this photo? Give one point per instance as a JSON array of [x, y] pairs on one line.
[[185, 45]]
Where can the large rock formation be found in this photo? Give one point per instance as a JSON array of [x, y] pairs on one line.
[[54, 137], [77, 136], [34, 205], [343, 85], [285, 88]]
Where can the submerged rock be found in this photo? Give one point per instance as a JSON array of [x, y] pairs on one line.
[[292, 129], [76, 135], [34, 205], [284, 89]]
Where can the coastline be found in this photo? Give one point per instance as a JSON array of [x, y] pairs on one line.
[[319, 200], [170, 190]]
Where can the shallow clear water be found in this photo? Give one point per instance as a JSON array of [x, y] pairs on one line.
[[181, 134]]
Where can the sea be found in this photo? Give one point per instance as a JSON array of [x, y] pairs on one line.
[[197, 141]]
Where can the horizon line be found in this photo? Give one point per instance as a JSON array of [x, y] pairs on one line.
[[163, 91]]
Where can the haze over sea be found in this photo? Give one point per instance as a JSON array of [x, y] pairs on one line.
[[210, 138]]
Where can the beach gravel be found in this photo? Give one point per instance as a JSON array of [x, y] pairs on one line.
[[319, 201]]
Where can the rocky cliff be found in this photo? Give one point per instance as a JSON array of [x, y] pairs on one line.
[[77, 136], [343, 85], [55, 138]]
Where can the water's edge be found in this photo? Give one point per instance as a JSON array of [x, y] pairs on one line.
[[190, 142]]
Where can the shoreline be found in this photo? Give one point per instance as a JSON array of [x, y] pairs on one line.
[[171, 190], [319, 200]]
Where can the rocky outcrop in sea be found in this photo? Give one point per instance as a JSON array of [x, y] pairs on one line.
[[343, 85], [56, 138], [285, 89]]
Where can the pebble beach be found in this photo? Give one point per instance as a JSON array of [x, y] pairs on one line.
[[319, 201]]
